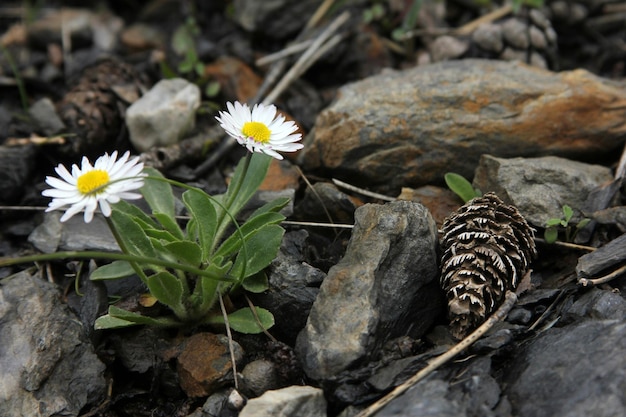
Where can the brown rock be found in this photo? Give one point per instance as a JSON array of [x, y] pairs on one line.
[[236, 79], [441, 202], [281, 175], [141, 37], [204, 364], [408, 128]]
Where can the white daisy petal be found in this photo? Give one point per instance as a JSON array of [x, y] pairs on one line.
[[281, 132], [113, 181], [76, 208], [105, 207], [57, 183], [65, 174]]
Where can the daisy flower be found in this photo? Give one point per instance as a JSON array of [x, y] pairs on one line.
[[104, 183], [260, 129]]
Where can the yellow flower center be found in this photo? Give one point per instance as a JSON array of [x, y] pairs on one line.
[[91, 181], [257, 131]]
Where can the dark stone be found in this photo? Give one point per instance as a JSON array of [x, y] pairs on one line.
[[47, 365], [575, 371]]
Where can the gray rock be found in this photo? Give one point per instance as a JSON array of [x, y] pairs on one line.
[[45, 116], [575, 371], [489, 37], [425, 399], [47, 367], [294, 401], [294, 284], [515, 32], [385, 286], [274, 18], [75, 234], [163, 115], [403, 129], [537, 38], [259, 376], [603, 260], [599, 304], [21, 159], [535, 59], [539, 187], [213, 405], [447, 47], [322, 200], [475, 393]]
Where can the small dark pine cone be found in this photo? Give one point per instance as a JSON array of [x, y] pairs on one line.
[[487, 247]]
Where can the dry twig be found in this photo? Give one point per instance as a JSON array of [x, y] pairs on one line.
[[231, 347], [608, 277], [362, 191], [509, 302]]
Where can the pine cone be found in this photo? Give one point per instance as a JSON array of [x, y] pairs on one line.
[[94, 108], [487, 249]]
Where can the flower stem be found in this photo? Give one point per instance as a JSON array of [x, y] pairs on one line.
[[231, 196], [112, 256]]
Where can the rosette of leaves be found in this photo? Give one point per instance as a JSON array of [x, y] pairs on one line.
[[488, 247], [570, 230], [203, 262]]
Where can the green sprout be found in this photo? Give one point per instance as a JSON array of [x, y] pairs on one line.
[[461, 187], [570, 230], [184, 44], [517, 4]]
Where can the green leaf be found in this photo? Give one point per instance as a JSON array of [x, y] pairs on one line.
[[132, 235], [204, 218], [160, 234], [551, 234], [553, 222], [168, 290], [114, 270], [273, 206], [160, 198], [233, 243], [199, 68], [567, 213], [206, 290], [460, 186], [185, 251], [158, 194], [109, 322], [124, 318], [243, 321], [582, 223], [261, 249], [136, 213], [182, 40], [212, 89], [170, 224], [256, 283], [256, 172]]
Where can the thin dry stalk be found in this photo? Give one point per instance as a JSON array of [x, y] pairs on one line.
[[470, 27], [362, 191], [231, 347], [315, 193], [509, 302], [316, 224], [597, 281], [289, 50], [306, 59], [258, 320]]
